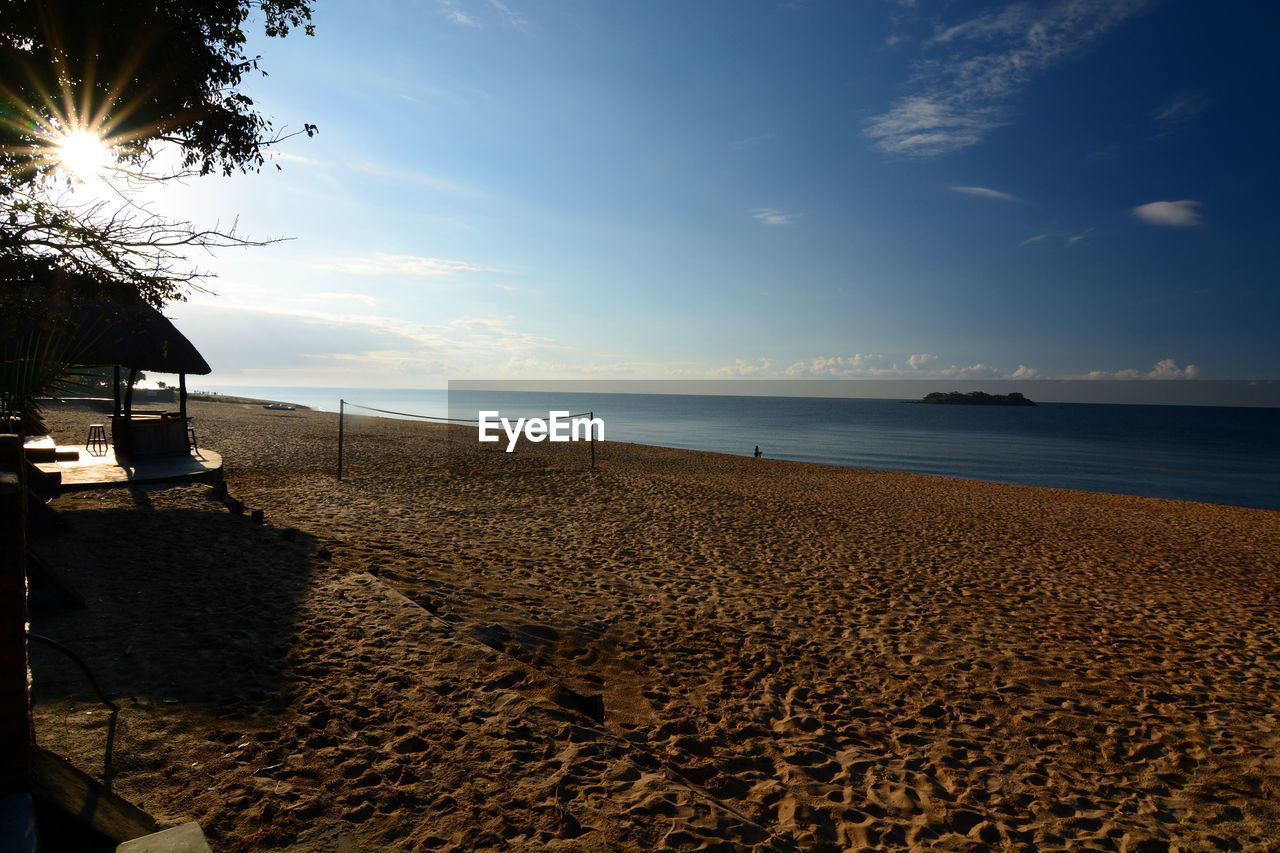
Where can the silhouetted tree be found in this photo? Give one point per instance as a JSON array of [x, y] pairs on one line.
[[143, 76]]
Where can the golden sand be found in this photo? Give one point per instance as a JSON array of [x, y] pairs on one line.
[[676, 651]]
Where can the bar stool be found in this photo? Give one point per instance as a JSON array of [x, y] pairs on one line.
[[96, 444], [191, 439]]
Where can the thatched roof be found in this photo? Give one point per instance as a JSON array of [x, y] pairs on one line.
[[102, 333]]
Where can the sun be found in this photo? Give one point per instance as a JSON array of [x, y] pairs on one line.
[[83, 153]]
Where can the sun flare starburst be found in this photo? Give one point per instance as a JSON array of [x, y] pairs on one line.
[[83, 153]]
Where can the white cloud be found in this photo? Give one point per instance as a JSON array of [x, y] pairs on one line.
[[983, 192], [741, 367], [877, 366], [1036, 239], [1166, 368], [973, 371], [769, 216], [961, 97], [859, 364], [1176, 213], [379, 263]]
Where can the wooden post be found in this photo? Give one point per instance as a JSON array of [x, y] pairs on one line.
[[342, 408], [128, 392], [115, 391], [592, 435], [182, 395], [15, 696]]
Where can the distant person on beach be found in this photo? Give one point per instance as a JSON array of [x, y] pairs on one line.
[[758, 453]]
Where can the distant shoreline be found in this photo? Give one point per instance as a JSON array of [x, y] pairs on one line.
[[229, 398]]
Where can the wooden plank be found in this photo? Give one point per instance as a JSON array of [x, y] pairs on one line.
[[91, 471], [185, 838], [54, 780]]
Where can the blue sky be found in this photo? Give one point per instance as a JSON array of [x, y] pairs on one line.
[[761, 189]]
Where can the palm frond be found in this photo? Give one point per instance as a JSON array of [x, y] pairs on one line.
[[42, 364]]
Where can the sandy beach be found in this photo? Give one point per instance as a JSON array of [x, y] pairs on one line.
[[461, 651]]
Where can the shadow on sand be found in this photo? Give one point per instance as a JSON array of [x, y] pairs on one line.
[[182, 606]]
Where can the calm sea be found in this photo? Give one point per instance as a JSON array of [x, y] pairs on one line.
[[1200, 453]]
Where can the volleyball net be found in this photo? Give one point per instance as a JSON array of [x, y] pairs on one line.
[[372, 439]]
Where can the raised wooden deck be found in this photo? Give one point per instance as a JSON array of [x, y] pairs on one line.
[[103, 470]]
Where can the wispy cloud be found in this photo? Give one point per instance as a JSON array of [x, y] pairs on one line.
[[1068, 238], [926, 126], [1073, 239], [286, 157], [1181, 108], [420, 179], [475, 335], [346, 338], [454, 13], [379, 263], [509, 16], [963, 95], [769, 216], [1174, 213], [470, 17], [749, 142], [365, 166], [362, 298], [983, 192]]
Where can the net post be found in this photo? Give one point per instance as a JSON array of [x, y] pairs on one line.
[[591, 434], [342, 410]]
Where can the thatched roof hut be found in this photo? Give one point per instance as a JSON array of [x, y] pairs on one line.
[[97, 333], [130, 335]]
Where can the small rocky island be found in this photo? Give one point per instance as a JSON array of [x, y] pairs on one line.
[[977, 398]]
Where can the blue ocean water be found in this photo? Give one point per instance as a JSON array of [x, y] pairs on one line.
[[1201, 453]]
